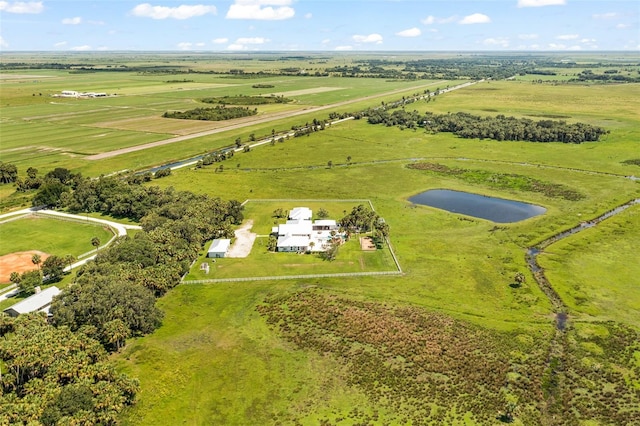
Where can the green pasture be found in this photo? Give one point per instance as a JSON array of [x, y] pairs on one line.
[[596, 272], [53, 236], [215, 359]]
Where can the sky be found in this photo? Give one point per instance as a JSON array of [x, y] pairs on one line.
[[320, 25]]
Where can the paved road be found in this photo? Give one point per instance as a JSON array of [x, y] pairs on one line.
[[262, 119]]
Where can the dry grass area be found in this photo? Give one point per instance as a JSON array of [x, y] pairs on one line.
[[366, 244], [18, 262]]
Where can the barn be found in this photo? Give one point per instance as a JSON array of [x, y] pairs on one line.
[[38, 302], [219, 247]]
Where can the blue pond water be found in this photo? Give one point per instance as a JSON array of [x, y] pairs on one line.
[[494, 209]]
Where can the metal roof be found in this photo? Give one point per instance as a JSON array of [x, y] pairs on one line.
[[36, 302]]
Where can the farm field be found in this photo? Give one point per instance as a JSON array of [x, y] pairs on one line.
[[463, 334]]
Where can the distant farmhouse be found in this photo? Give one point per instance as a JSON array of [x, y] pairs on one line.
[[299, 234], [41, 301], [219, 248], [75, 94]]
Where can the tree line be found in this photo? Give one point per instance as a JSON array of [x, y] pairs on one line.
[[500, 127], [217, 113], [58, 372]]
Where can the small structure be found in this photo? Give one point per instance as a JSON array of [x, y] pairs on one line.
[[204, 266], [219, 247], [69, 94], [38, 302]]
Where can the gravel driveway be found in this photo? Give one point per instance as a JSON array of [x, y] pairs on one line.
[[244, 241]]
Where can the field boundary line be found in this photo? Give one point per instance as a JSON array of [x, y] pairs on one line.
[[292, 277]]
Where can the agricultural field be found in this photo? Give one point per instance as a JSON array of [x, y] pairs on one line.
[[465, 335]]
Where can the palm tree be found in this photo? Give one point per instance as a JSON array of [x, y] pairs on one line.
[[36, 260], [95, 241]]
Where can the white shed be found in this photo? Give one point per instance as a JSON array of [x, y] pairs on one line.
[[38, 302], [219, 247]]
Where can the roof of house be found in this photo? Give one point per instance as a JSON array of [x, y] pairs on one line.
[[325, 222], [293, 241], [303, 213], [301, 228], [36, 302], [219, 245]]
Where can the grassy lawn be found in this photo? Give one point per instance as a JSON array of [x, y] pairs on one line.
[[50, 236], [597, 273]]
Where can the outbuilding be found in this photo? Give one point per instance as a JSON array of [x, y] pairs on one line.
[[38, 302], [219, 247]]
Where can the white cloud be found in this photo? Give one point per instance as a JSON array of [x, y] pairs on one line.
[[60, 44], [326, 41], [527, 36], [185, 45], [81, 48], [343, 48], [243, 43], [609, 15], [252, 40], [221, 40], [21, 7], [72, 21], [541, 3], [371, 38], [622, 26], [476, 18], [103, 48], [3, 43], [568, 37], [262, 10], [145, 10], [308, 16], [411, 32], [429, 20], [498, 41]]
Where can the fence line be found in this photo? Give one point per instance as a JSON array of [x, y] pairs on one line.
[[292, 277]]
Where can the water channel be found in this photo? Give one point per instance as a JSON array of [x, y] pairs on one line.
[[494, 209]]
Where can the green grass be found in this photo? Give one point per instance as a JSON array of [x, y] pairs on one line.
[[596, 272], [216, 360], [51, 236]]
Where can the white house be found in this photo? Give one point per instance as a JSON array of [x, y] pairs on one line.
[[219, 247], [38, 302], [300, 234], [69, 94]]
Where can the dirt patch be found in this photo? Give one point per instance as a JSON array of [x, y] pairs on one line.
[[244, 241], [18, 262], [366, 244]]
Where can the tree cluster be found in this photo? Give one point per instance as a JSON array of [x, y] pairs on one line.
[[246, 100], [499, 128], [218, 113], [51, 375], [114, 296]]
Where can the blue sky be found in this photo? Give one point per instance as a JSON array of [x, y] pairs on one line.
[[320, 25]]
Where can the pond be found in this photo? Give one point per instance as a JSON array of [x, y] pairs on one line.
[[494, 209]]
